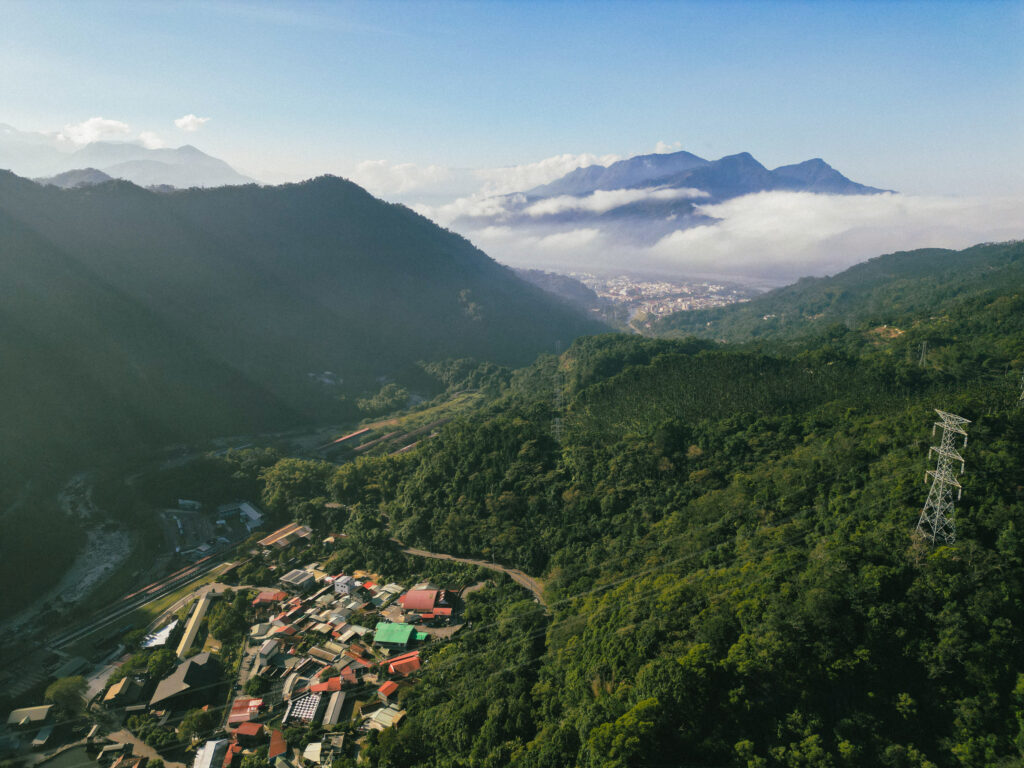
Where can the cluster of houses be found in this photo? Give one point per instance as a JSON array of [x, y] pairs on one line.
[[326, 650], [318, 658]]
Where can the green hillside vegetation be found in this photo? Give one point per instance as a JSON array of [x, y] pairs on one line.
[[726, 539], [886, 290], [131, 319]]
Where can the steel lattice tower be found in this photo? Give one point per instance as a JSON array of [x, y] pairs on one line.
[[1020, 400], [937, 515]]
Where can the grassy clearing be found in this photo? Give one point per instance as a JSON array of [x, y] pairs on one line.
[[145, 614]]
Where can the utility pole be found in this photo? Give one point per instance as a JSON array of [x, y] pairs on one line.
[[936, 519]]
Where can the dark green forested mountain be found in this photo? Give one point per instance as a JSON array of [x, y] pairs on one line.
[[884, 290], [727, 540], [133, 319], [128, 314]]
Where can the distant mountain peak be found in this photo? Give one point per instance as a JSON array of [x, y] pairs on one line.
[[42, 155]]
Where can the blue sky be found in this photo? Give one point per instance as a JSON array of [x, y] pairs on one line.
[[926, 98]]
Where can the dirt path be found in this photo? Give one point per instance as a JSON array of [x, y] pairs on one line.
[[141, 748], [520, 578]]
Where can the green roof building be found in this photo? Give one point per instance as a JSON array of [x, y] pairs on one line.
[[393, 635]]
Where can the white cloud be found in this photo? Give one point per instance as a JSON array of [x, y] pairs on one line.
[[519, 178], [605, 200], [662, 147], [492, 209], [93, 129], [382, 177], [190, 123], [790, 234], [773, 236], [151, 140]]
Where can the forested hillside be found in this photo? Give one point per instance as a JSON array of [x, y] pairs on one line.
[[131, 319], [727, 541], [885, 290]]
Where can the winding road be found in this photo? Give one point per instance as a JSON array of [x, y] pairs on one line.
[[520, 578]]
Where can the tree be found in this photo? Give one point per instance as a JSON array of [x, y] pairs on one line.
[[161, 663], [256, 685], [68, 693], [195, 723]]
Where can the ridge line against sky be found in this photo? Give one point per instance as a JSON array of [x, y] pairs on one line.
[[920, 97]]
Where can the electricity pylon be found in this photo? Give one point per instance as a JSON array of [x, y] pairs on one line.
[[937, 515], [1020, 400], [924, 354]]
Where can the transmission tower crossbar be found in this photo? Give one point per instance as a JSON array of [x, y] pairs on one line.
[[936, 521]]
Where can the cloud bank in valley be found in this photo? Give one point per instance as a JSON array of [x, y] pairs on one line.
[[771, 236]]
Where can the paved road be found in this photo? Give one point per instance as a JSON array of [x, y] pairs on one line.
[[523, 579]]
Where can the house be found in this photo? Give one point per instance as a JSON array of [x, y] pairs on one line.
[[299, 580], [278, 746], [321, 654], [385, 717], [405, 664], [330, 685], [244, 709], [334, 707], [250, 733], [386, 693], [232, 758], [286, 536], [30, 717], [125, 691], [43, 736], [344, 585], [211, 754], [268, 598], [393, 635], [420, 600], [312, 752], [269, 648], [189, 678]]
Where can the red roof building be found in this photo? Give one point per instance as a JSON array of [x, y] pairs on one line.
[[269, 597], [419, 600], [386, 691], [278, 746], [330, 685], [249, 729], [405, 666], [244, 708], [232, 754]]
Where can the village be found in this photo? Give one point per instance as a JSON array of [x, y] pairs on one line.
[[290, 674]]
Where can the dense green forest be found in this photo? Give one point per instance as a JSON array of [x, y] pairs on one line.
[[132, 319], [882, 291], [726, 537]]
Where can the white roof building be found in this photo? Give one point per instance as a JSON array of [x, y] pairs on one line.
[[211, 754]]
